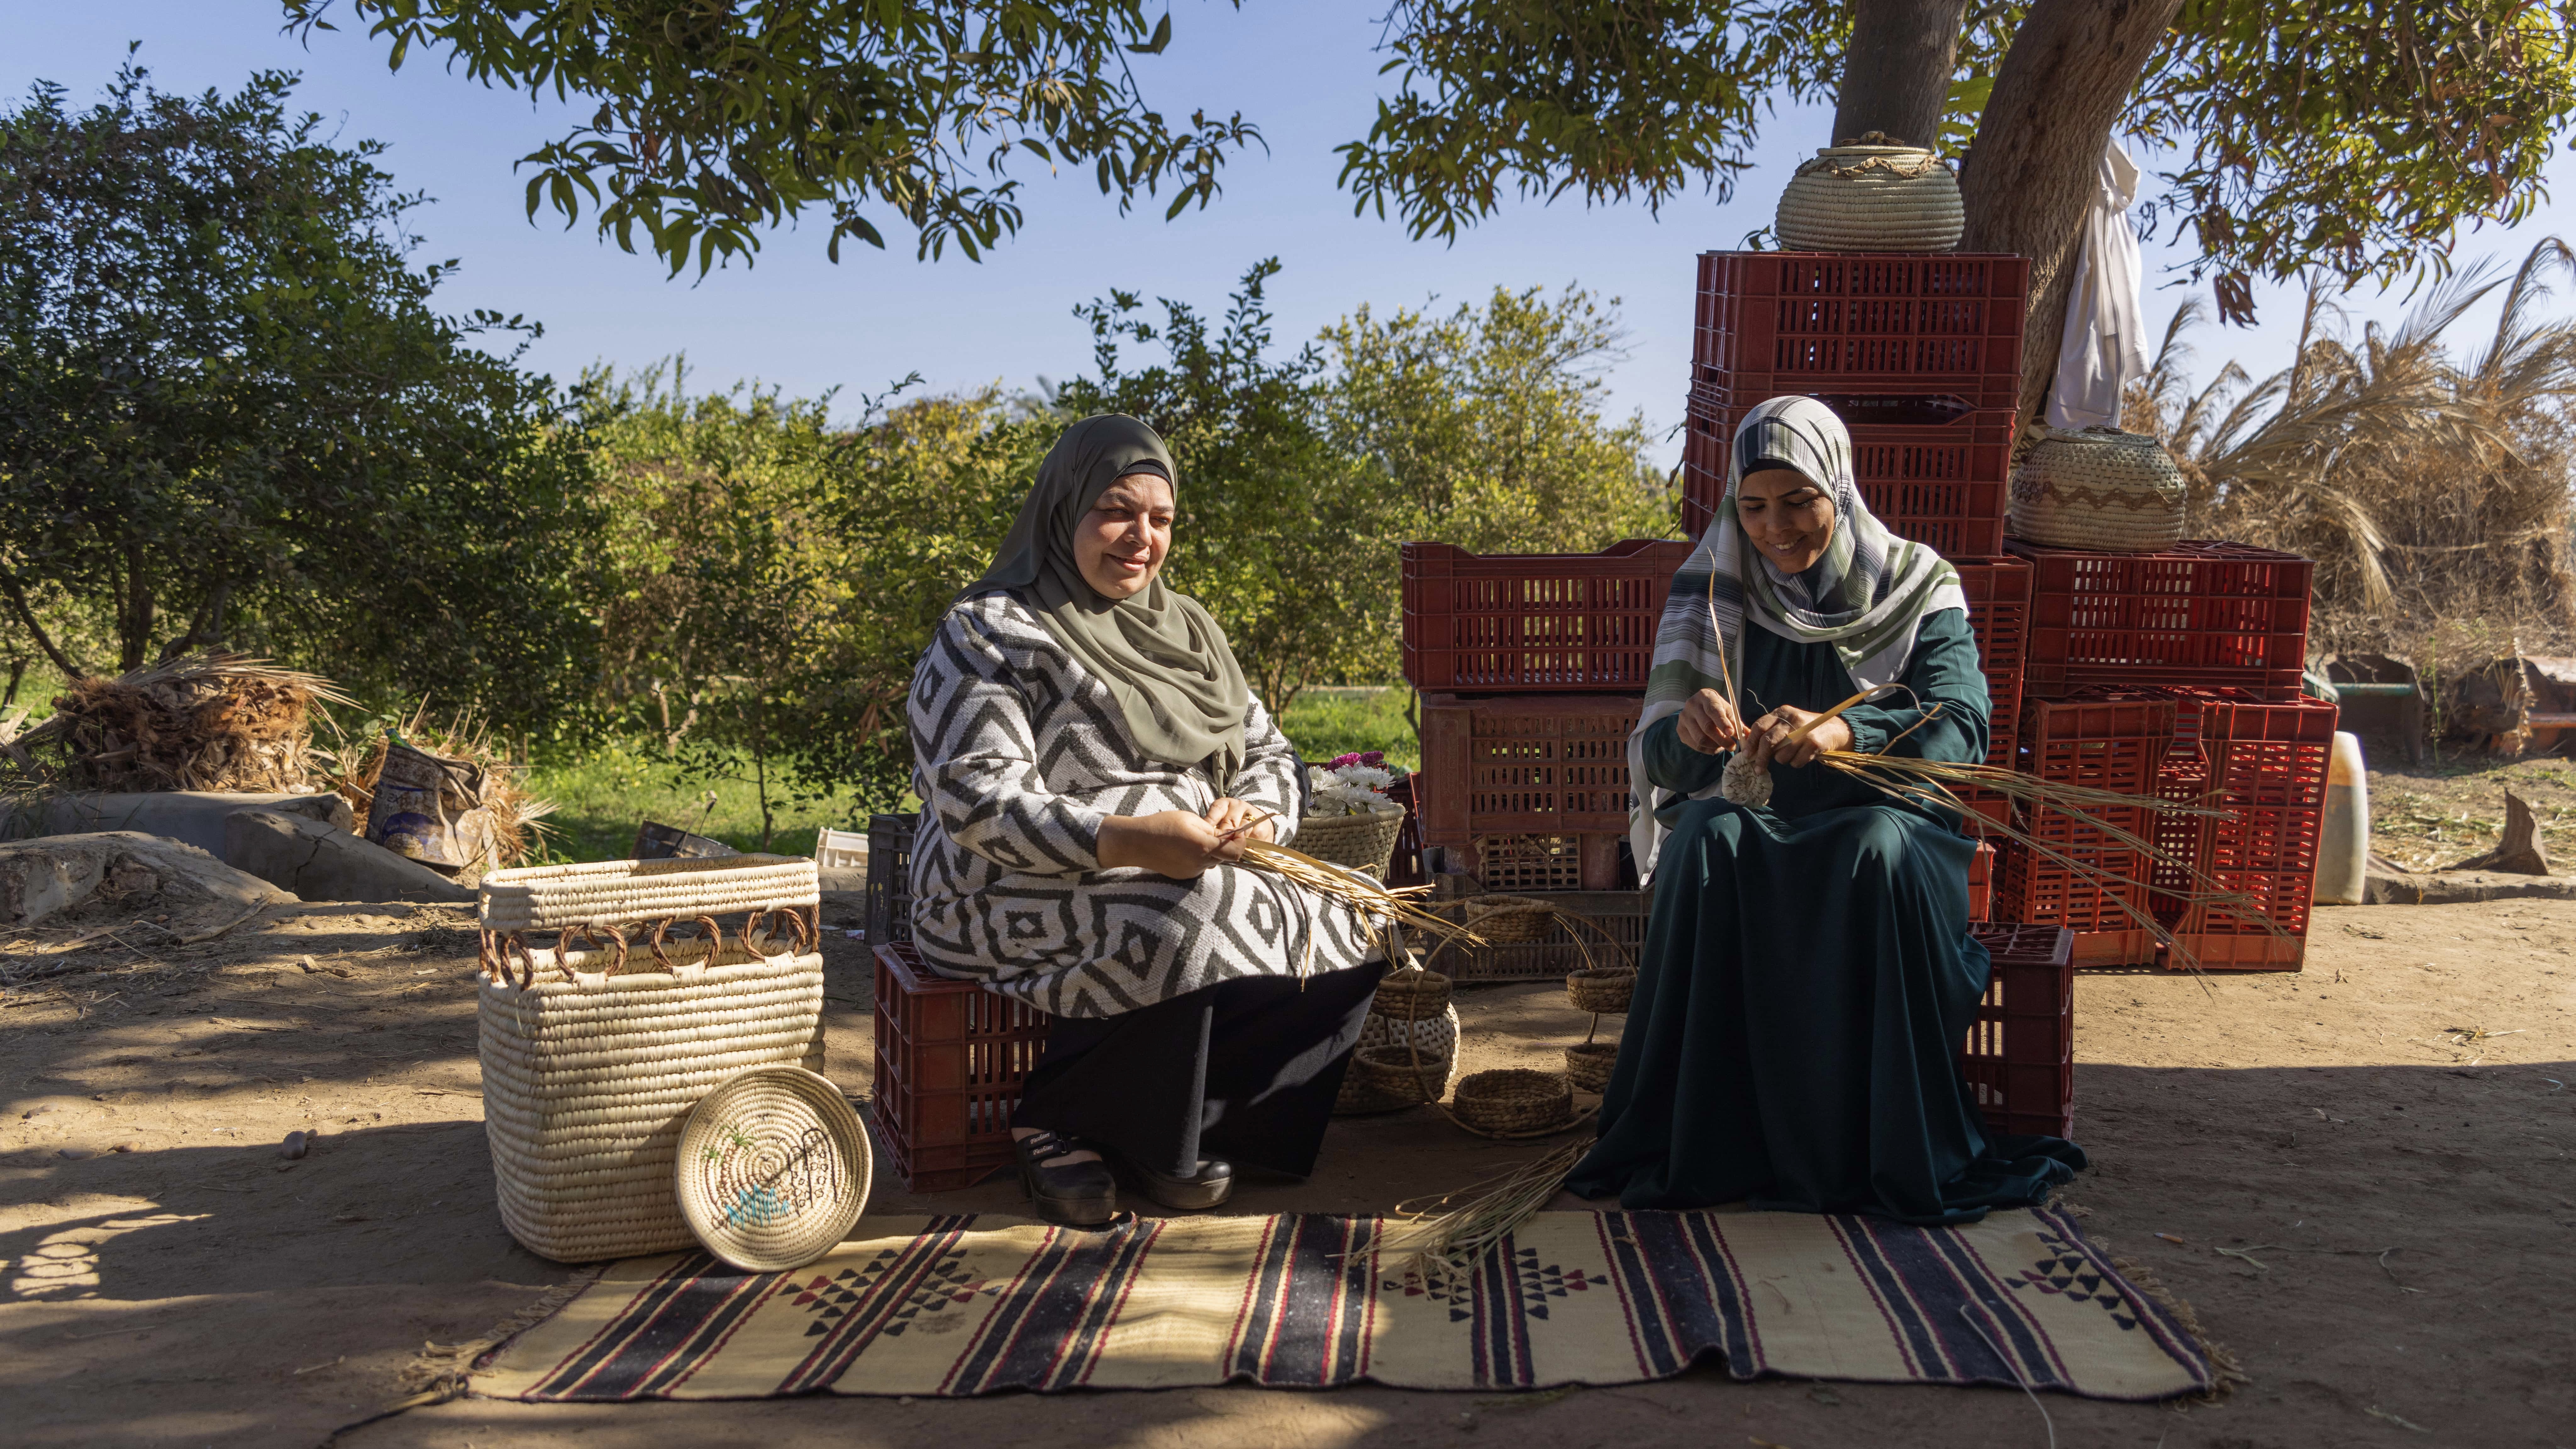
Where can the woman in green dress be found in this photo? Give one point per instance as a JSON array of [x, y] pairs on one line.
[[1807, 977]]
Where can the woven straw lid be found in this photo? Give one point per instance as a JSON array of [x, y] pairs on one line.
[[2097, 488], [773, 1169], [1871, 195]]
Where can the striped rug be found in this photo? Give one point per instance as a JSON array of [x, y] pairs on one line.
[[967, 1305]]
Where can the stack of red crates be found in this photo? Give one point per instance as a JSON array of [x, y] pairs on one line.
[[2203, 642], [1532, 669]]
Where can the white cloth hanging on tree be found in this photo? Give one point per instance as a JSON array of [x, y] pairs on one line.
[[2104, 348]]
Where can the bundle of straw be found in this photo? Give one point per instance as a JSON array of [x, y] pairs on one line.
[[212, 721], [353, 770], [1384, 911]]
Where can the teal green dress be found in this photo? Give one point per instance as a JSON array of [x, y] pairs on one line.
[[1807, 977]]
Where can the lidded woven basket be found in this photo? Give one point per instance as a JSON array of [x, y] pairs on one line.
[[1362, 842], [1872, 194], [2097, 488]]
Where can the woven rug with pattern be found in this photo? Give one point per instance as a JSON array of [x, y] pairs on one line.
[[970, 1305]]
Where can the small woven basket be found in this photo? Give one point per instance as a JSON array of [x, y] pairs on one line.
[[2097, 488], [1411, 995], [1403, 1075], [1362, 842], [1433, 1038], [773, 1169], [1513, 1100], [1871, 195], [1509, 920], [1601, 990], [1588, 1064]]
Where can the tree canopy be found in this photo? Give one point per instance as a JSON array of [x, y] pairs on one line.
[[228, 412], [715, 120]]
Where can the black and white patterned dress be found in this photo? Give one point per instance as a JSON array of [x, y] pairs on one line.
[[1018, 754]]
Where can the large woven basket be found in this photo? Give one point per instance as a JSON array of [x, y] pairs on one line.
[[1362, 842], [1871, 195], [623, 892], [2097, 488]]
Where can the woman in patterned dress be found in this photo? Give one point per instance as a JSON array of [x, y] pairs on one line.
[[1090, 763]]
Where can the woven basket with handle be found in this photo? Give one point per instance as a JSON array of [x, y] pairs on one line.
[[1362, 842], [594, 1057], [2097, 488], [1871, 195]]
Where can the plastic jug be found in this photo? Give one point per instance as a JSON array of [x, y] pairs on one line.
[[2343, 846]]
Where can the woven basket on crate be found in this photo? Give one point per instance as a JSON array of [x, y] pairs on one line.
[[1508, 920], [1871, 195], [594, 1058], [2097, 488], [1362, 842]]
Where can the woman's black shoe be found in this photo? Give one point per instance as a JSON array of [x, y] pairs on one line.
[[1075, 1194], [1208, 1187]]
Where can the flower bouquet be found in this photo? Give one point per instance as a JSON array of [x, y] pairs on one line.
[[1349, 819]]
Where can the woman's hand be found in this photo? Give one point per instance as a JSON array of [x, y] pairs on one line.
[[1175, 843], [1709, 724], [1239, 821], [1771, 737]]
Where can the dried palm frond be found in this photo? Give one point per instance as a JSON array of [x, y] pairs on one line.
[[1444, 1236], [1383, 909], [211, 721]]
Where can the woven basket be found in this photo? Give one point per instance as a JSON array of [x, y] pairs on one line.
[[773, 1169], [1509, 920], [1513, 1100], [1601, 990], [1362, 842], [622, 892], [2097, 488], [588, 1075], [1434, 1037], [1411, 995], [1871, 196], [1588, 1064], [1402, 1075]]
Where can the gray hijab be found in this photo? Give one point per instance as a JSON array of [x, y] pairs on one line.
[[1163, 658]]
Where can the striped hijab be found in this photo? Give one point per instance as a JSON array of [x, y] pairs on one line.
[[1866, 597]]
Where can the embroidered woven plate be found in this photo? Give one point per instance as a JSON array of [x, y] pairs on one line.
[[773, 1169]]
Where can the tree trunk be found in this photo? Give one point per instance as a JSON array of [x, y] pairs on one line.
[[1896, 70], [134, 621], [2030, 172]]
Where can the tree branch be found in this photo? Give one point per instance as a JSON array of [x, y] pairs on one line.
[[27, 617], [1897, 68]]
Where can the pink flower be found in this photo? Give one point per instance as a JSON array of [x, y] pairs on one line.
[[1340, 761]]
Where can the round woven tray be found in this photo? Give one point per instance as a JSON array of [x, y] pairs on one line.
[[773, 1169], [1362, 842], [1509, 920], [1402, 1074], [1600, 989], [1588, 1064], [1871, 198], [2097, 488], [1512, 1100], [1411, 995]]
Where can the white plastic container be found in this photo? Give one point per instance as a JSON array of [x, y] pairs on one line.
[[2343, 846]]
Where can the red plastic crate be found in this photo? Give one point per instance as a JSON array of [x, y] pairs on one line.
[[1981, 883], [1510, 623], [949, 1063], [1940, 483], [2266, 762], [1548, 764], [1817, 320], [2114, 743], [2205, 614], [2019, 1058], [1535, 864], [1998, 591]]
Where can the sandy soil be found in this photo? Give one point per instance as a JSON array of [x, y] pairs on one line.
[[2367, 1200], [2439, 813]]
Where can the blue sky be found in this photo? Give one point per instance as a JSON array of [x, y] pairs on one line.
[[1306, 72]]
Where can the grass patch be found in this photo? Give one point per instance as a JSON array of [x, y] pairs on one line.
[[605, 794], [1323, 724]]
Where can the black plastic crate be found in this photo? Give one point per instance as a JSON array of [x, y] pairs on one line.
[[890, 877]]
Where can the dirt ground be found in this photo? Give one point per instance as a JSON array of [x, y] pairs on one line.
[[2359, 1176], [2432, 815]]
